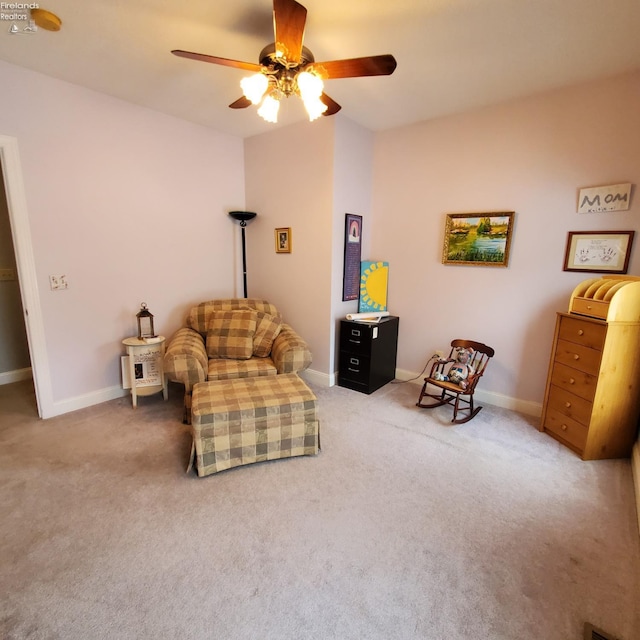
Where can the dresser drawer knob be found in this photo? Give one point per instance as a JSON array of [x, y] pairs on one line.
[[572, 381], [576, 356], [580, 332], [564, 427], [567, 404]]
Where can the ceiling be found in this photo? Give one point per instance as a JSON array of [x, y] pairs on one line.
[[453, 55]]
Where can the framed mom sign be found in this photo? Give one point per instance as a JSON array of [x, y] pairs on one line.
[[615, 197]]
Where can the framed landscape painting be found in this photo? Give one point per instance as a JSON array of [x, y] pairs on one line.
[[481, 239]]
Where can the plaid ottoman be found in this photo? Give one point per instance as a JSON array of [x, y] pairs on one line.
[[245, 420]]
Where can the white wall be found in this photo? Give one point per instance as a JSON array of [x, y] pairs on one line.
[[530, 156], [352, 193], [289, 175], [131, 205], [308, 177]]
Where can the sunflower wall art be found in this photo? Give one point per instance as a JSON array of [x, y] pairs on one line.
[[374, 279]]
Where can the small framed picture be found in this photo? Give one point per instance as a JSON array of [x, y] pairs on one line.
[[283, 240], [598, 251]]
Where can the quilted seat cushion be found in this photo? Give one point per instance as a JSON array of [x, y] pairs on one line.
[[230, 334], [222, 369]]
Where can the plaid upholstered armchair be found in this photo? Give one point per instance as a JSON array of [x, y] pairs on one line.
[[232, 338]]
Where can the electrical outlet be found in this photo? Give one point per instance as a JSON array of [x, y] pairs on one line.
[[58, 283], [440, 354]]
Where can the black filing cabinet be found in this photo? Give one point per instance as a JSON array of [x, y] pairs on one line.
[[368, 353]]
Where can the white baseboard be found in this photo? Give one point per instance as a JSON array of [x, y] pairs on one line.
[[18, 375], [635, 467], [86, 400], [312, 376], [315, 377], [527, 407], [111, 393]]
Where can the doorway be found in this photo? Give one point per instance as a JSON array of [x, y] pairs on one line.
[[15, 364], [26, 272]]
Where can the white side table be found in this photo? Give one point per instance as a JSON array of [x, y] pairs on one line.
[[146, 369]]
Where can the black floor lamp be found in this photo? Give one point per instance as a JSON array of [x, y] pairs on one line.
[[243, 217]]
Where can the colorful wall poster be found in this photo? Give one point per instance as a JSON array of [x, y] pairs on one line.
[[374, 279]]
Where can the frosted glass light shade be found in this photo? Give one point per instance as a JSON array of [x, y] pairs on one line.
[[315, 108], [269, 109], [254, 87], [310, 85]]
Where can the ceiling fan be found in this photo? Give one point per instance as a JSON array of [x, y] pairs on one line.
[[286, 68]]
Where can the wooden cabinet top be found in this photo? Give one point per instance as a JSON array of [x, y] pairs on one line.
[[610, 298]]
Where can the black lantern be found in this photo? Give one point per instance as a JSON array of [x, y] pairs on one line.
[[145, 323]]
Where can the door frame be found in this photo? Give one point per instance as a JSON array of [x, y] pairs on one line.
[[27, 278]]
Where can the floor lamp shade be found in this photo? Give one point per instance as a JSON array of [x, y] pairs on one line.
[[243, 217]]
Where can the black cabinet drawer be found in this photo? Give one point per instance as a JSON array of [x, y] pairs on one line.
[[354, 367], [355, 338]]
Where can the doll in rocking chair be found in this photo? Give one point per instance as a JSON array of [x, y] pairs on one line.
[[460, 371]]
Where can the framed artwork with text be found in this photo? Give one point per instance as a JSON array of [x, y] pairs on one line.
[[352, 255]]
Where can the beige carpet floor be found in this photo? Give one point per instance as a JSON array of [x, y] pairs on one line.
[[403, 527]]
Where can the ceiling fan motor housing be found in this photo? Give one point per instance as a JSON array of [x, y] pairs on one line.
[[268, 58]]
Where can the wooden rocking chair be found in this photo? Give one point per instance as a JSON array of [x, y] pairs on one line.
[[450, 392]]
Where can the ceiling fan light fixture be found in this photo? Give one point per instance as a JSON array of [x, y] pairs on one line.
[[254, 87], [286, 67], [269, 108], [315, 108], [310, 85]]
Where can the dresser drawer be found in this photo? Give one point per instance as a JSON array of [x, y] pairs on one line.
[[588, 334], [590, 307], [355, 338], [578, 357], [570, 405], [575, 381], [354, 367], [569, 430]]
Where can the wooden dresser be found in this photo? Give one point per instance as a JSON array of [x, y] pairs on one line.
[[592, 397]]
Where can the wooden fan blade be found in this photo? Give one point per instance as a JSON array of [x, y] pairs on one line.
[[289, 18], [356, 67], [237, 64], [241, 103], [334, 107]]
